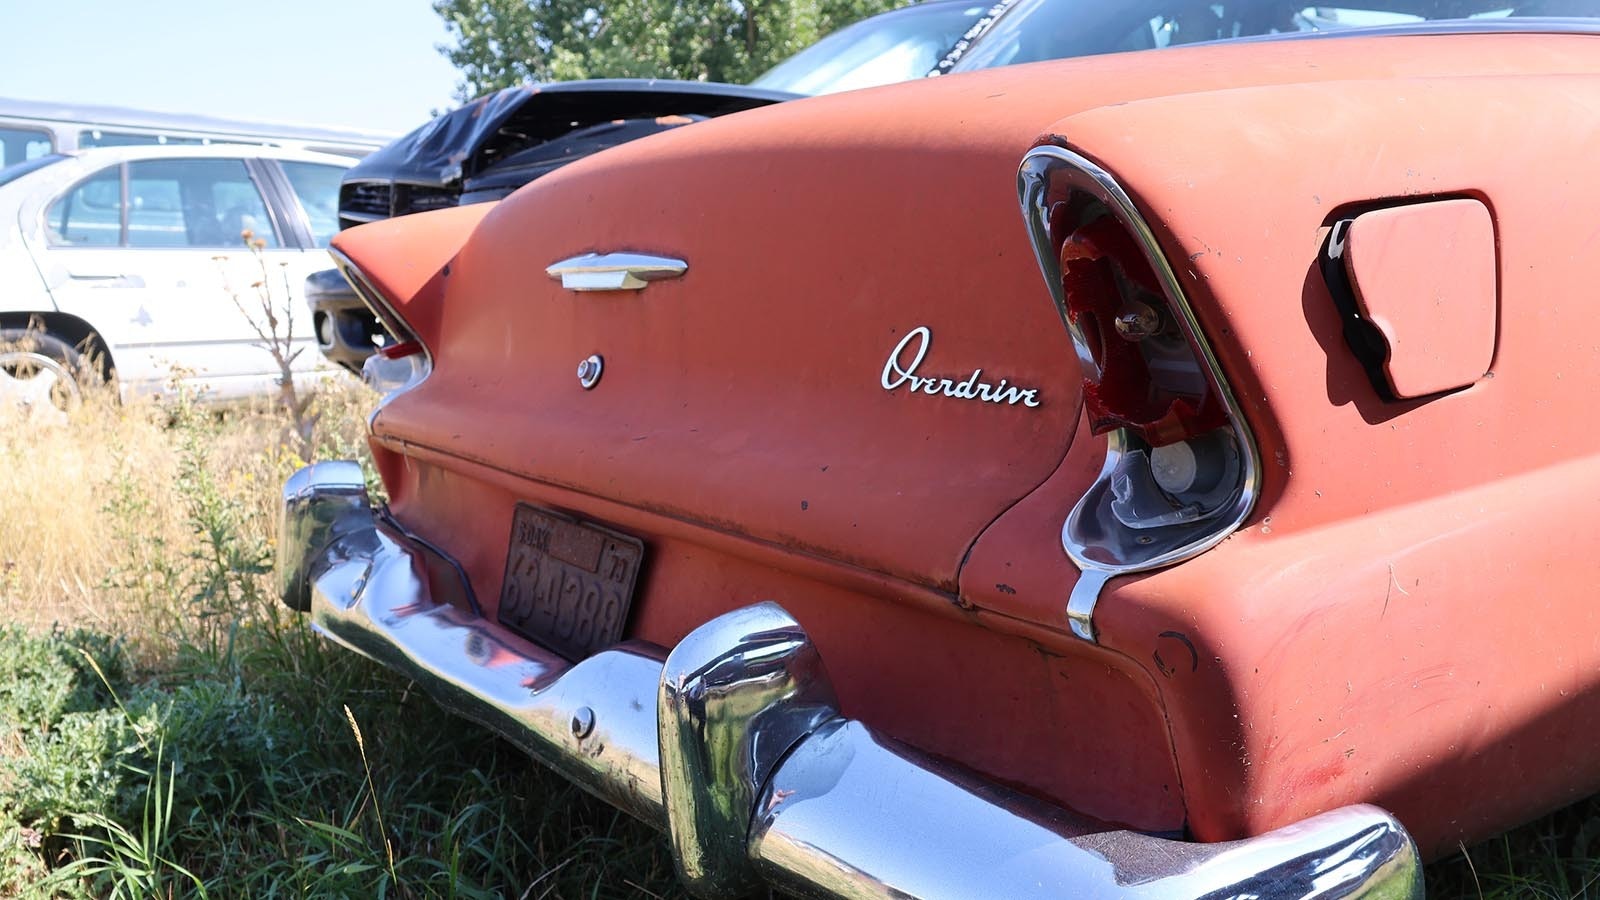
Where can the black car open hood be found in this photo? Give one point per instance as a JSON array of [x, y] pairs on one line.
[[463, 142]]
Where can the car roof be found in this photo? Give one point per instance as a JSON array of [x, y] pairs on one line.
[[192, 151], [95, 115]]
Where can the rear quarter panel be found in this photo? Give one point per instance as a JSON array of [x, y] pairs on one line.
[[1409, 618]]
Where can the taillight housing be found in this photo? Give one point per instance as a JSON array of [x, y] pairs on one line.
[[399, 365], [1181, 470]]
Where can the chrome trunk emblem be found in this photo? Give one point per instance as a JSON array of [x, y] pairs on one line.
[[897, 372], [614, 271]]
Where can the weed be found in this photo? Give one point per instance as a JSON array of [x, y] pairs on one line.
[[272, 320], [118, 861]]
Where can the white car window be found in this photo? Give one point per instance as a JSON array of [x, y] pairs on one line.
[[317, 186], [22, 144], [89, 215], [195, 203]]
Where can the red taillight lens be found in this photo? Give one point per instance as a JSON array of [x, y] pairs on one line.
[[400, 349], [1145, 376]]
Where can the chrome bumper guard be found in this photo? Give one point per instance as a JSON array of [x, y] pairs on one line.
[[732, 744]]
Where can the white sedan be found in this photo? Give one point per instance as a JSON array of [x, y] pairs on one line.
[[160, 265]]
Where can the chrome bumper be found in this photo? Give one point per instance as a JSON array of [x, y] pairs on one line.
[[732, 744]]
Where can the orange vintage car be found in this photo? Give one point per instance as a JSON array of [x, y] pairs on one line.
[[751, 476]]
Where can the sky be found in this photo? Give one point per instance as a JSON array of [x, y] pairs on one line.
[[368, 64]]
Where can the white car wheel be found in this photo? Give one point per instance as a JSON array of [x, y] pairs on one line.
[[35, 383]]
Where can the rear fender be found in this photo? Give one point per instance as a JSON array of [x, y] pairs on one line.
[[406, 262]]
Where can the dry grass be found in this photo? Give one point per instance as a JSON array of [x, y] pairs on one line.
[[61, 537], [96, 522]]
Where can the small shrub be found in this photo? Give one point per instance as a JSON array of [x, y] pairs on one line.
[[81, 763], [43, 677]]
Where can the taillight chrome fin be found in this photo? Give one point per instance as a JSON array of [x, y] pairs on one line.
[[1146, 509], [400, 365]]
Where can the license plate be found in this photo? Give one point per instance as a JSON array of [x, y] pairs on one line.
[[569, 584]]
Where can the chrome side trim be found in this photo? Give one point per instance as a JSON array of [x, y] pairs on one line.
[[1101, 554], [614, 271], [397, 327], [733, 745], [372, 297]]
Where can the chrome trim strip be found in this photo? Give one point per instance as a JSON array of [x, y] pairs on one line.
[[1100, 555], [614, 271], [374, 299], [733, 745]]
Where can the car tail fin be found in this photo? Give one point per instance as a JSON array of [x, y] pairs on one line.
[[399, 266]]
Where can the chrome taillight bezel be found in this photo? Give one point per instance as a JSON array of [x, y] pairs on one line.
[[1098, 545], [420, 365]]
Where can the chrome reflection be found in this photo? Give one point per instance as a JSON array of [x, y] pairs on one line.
[[733, 744], [1100, 545], [736, 695], [316, 500], [368, 591], [852, 815]]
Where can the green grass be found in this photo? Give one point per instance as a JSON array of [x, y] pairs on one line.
[[214, 746], [1557, 856], [189, 737], [243, 769]]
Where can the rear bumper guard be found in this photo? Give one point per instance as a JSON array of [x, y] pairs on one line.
[[731, 743]]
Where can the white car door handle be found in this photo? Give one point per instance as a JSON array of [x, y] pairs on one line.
[[106, 279]]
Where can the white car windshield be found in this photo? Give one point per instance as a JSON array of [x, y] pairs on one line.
[[896, 46]]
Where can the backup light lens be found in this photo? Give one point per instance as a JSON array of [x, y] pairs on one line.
[[390, 375]]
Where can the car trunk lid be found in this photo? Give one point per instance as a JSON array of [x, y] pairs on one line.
[[873, 378]]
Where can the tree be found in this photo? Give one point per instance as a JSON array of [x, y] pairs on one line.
[[500, 43]]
